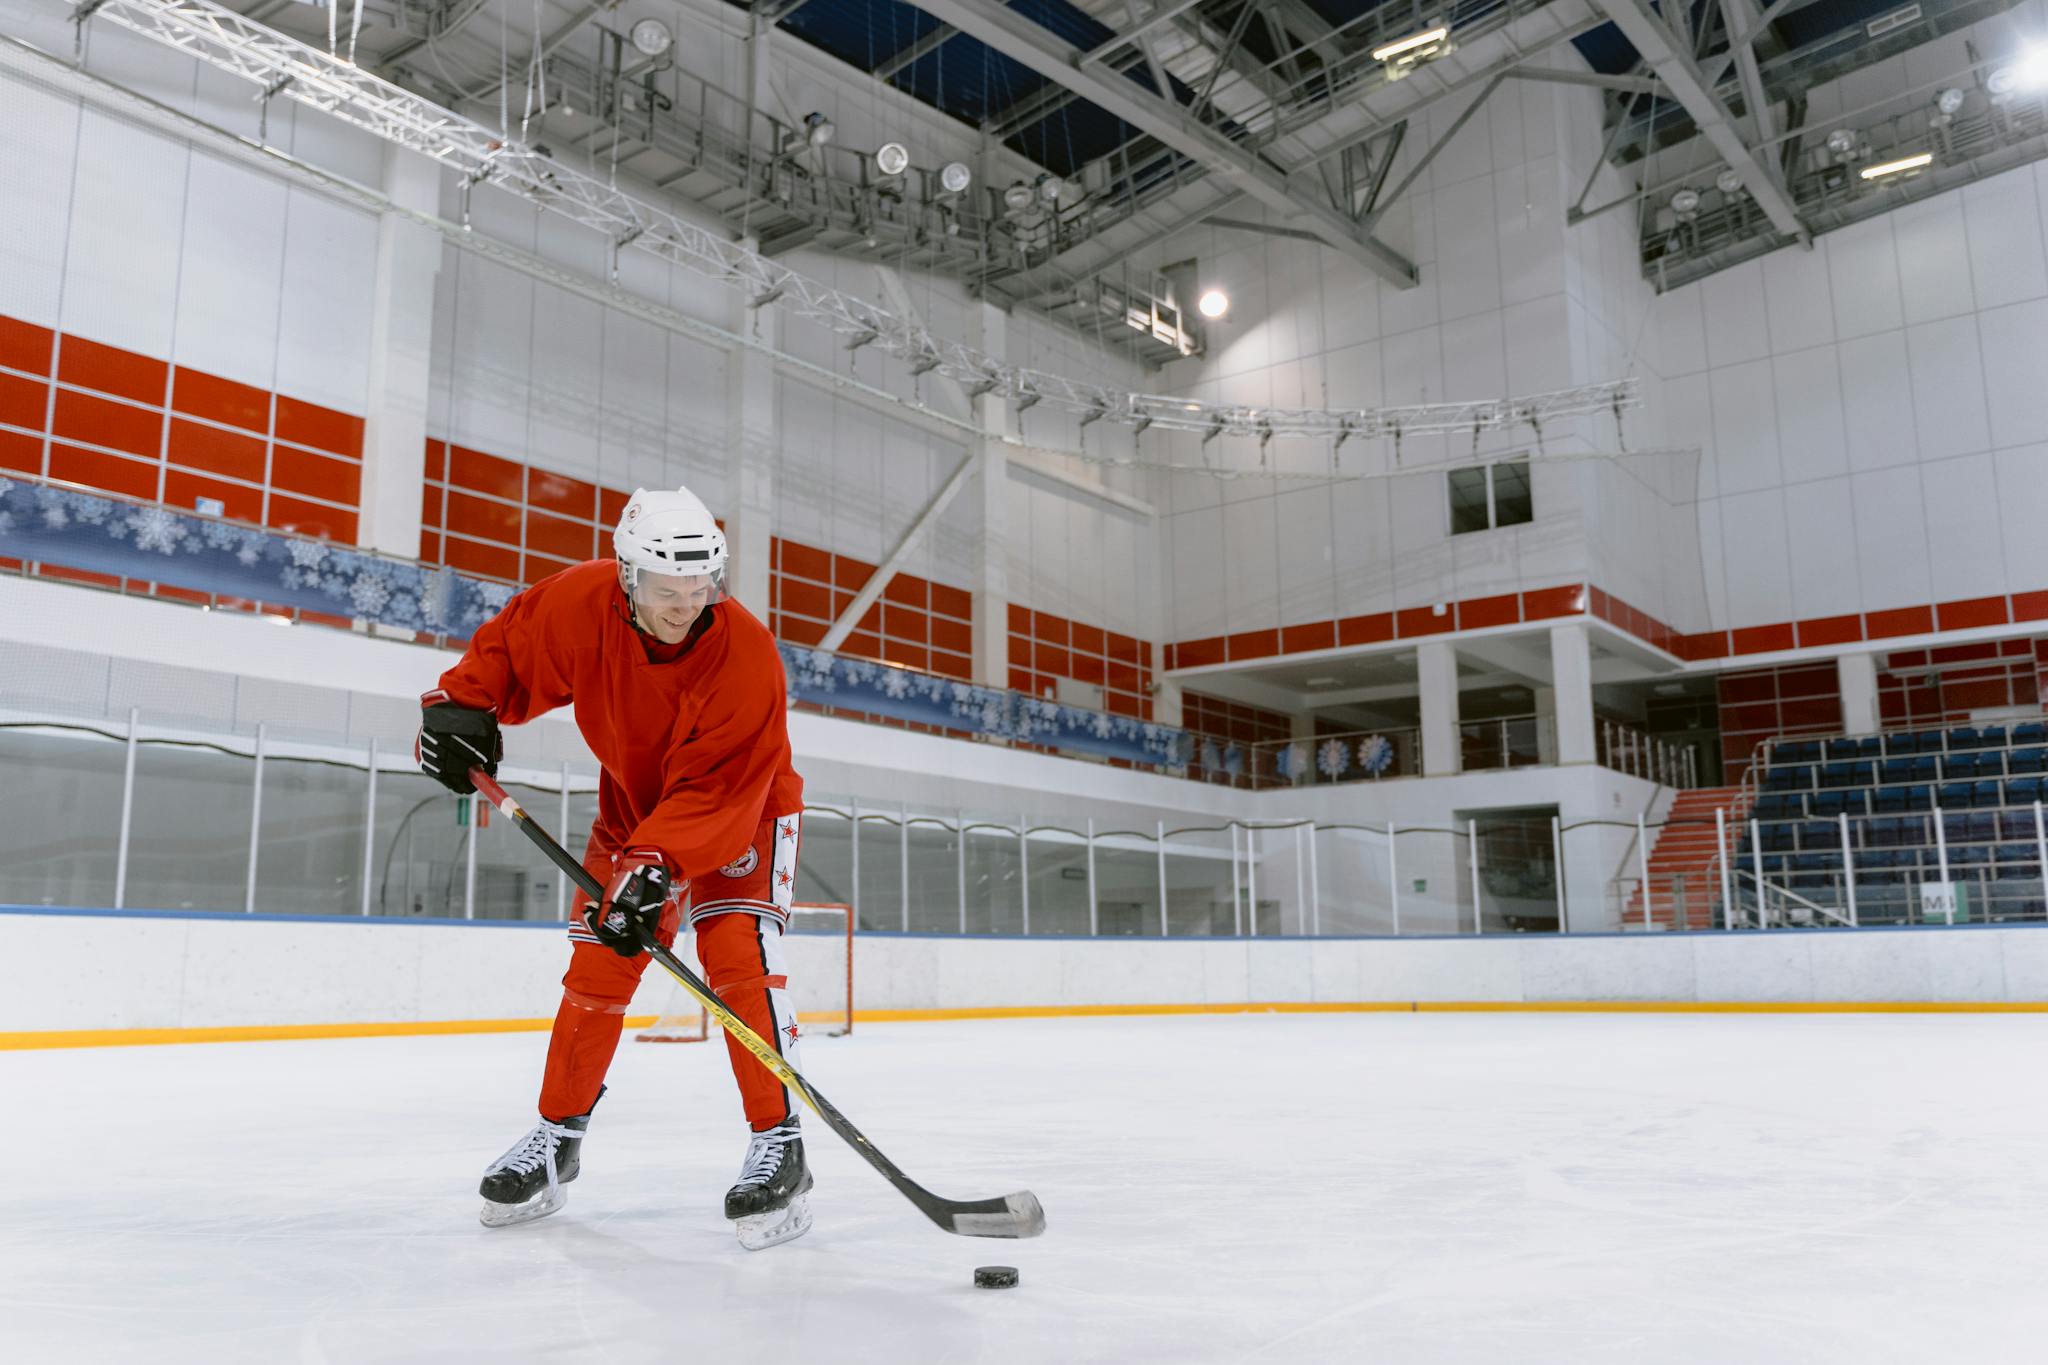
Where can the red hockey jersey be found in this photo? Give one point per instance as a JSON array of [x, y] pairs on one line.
[[695, 749]]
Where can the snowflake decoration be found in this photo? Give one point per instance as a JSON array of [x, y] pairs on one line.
[[307, 554], [292, 578], [91, 511], [54, 515], [369, 594], [1333, 757], [1104, 726], [6, 522], [495, 596], [1233, 761], [1375, 754], [1212, 754], [1291, 761], [895, 683], [156, 529], [334, 585]]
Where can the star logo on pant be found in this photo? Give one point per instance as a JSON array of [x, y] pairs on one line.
[[788, 831], [791, 1031], [782, 877]]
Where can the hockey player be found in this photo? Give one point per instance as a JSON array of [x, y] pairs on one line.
[[679, 692]]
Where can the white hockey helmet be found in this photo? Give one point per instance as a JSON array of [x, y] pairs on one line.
[[669, 532]]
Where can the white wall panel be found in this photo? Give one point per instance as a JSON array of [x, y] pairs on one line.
[[1251, 579], [120, 285], [1306, 541], [490, 362], [1199, 559], [230, 276], [2022, 476], [36, 165], [1809, 412], [1798, 299], [1960, 500], [1891, 540], [2015, 351], [1468, 257], [2004, 225], [1863, 272], [1753, 532], [1877, 401], [1934, 258], [324, 315], [1737, 327], [1745, 428], [1948, 388], [1820, 520]]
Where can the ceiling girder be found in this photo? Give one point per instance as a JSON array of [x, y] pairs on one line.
[[1019, 38], [1648, 35]]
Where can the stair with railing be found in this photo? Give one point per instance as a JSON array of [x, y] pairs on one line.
[[1684, 871]]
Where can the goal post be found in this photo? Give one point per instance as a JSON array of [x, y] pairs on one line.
[[819, 949]]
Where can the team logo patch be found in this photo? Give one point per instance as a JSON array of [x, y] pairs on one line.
[[742, 865]]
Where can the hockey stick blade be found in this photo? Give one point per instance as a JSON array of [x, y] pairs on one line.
[[1012, 1215]]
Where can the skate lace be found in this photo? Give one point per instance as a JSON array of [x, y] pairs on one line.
[[536, 1148], [764, 1154]]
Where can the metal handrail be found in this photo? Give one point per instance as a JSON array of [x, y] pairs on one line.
[[1784, 893]]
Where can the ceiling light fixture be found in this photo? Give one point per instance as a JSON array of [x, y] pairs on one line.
[[1728, 182], [892, 158], [1214, 303], [1842, 142], [954, 177], [1899, 167], [1017, 197], [1415, 46], [1050, 187], [1686, 202], [818, 129], [652, 38], [1949, 102], [2030, 71]]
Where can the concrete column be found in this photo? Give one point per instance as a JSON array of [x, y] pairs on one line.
[[753, 446], [401, 350], [1301, 729], [1546, 726], [1436, 673], [1571, 674], [989, 331], [1856, 674]]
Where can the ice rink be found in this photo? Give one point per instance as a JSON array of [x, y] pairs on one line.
[[1378, 1187]]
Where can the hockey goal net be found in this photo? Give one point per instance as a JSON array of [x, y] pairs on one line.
[[819, 947]]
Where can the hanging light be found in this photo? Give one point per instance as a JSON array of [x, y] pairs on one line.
[[1898, 167], [818, 129], [1214, 303], [954, 177], [1050, 187], [1949, 102], [1686, 202], [1403, 54], [1842, 141], [892, 158], [652, 38], [2030, 72], [1017, 197], [1728, 182]]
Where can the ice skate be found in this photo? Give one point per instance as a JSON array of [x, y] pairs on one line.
[[770, 1203], [526, 1182]]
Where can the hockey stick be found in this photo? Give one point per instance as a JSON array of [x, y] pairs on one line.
[[1013, 1215]]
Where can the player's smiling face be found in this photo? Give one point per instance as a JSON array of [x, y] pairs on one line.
[[667, 604]]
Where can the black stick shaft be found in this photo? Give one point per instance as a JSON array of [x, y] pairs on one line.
[[1015, 1215]]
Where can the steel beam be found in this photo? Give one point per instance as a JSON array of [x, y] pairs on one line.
[[1632, 85], [916, 52], [1017, 37], [1653, 41]]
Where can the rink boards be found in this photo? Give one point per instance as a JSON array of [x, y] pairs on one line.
[[82, 977]]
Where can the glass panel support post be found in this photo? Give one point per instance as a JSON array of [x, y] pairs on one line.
[[1315, 887], [960, 862], [1941, 853], [1393, 882], [1159, 847], [476, 820], [1848, 866], [2041, 850], [127, 811], [1094, 925], [1756, 870], [1236, 884], [1472, 858], [1024, 868], [1557, 866], [369, 825], [1251, 879], [1727, 872], [255, 823], [903, 860], [853, 848], [562, 824], [1643, 864]]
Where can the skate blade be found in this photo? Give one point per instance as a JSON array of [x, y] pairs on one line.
[[758, 1232], [494, 1215]]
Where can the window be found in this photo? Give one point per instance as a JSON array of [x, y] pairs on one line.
[[1490, 496]]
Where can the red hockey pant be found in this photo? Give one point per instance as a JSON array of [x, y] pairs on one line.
[[739, 942]]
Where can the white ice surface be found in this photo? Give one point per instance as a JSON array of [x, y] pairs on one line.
[[1397, 1188]]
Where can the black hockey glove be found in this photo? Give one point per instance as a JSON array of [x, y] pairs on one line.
[[631, 912], [453, 739]]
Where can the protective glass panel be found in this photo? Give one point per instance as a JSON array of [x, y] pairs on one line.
[[1434, 878], [1059, 882], [416, 868], [824, 864], [934, 886], [1198, 876], [1277, 878], [995, 886], [881, 874], [1126, 885], [1518, 891], [310, 855], [64, 827], [1353, 895], [190, 844]]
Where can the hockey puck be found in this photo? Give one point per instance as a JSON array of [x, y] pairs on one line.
[[995, 1276]]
